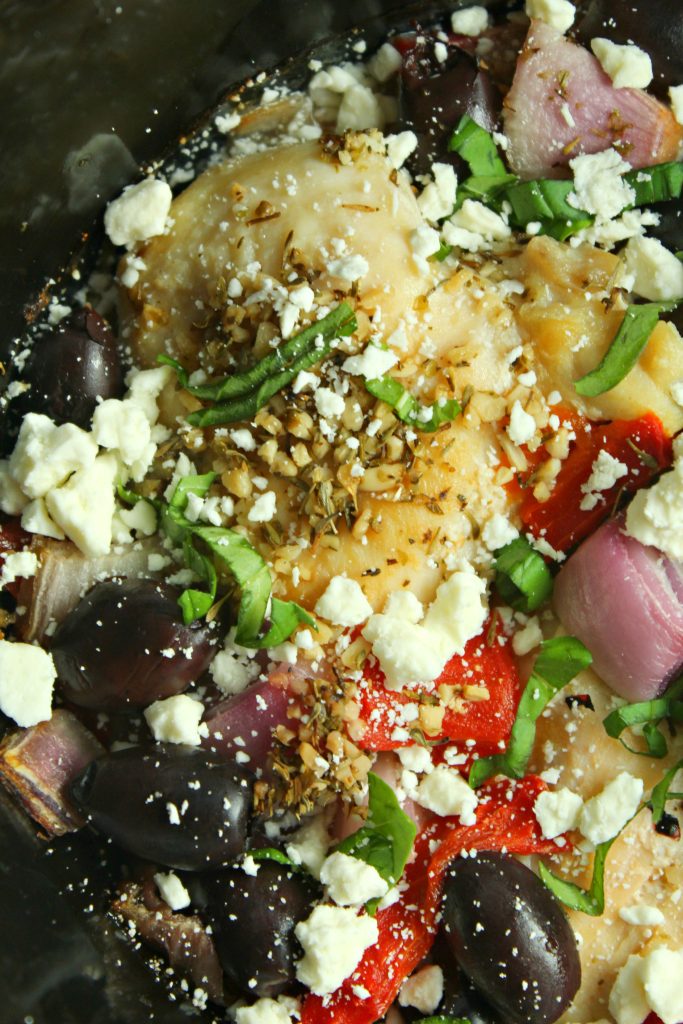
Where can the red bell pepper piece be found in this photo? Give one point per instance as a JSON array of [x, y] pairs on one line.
[[407, 928], [488, 660], [560, 520]]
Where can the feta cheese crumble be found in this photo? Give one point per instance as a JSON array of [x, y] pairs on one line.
[[423, 990], [351, 882], [557, 812], [172, 890], [605, 472], [176, 720], [139, 213], [558, 14], [605, 815], [445, 792], [649, 983], [27, 676], [343, 603], [333, 940], [628, 66], [651, 270], [655, 516], [471, 21]]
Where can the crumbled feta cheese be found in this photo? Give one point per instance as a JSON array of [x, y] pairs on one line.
[[45, 455], [445, 792], [35, 519], [628, 66], [343, 603], [27, 675], [651, 270], [416, 759], [225, 123], [437, 199], [471, 21], [359, 110], [244, 439], [12, 498], [18, 565], [474, 227], [599, 186], [309, 845], [399, 148], [333, 940], [605, 472], [172, 890], [424, 242], [145, 386], [84, 506], [373, 361], [264, 508], [557, 812], [522, 426], [676, 98], [423, 990], [234, 667], [348, 268], [498, 531], [139, 213], [649, 983], [269, 1011], [328, 403], [655, 516], [603, 816], [559, 14], [175, 720], [385, 63], [528, 638], [351, 882], [642, 915], [124, 426]]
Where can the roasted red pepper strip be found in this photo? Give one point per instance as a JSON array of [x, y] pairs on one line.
[[487, 661], [560, 520], [407, 929]]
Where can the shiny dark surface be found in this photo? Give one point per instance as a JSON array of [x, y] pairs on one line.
[[173, 805], [109, 651], [511, 938], [253, 919]]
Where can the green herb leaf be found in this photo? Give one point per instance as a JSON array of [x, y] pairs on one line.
[[187, 485], [656, 184], [270, 853], [523, 579], [648, 713], [559, 660], [386, 840], [545, 200], [590, 901], [638, 324], [440, 1019], [441, 253], [477, 148], [407, 407], [662, 793]]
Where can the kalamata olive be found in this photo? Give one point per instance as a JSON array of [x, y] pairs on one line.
[[656, 26], [125, 645], [511, 938], [253, 919], [434, 96], [71, 368], [177, 806]]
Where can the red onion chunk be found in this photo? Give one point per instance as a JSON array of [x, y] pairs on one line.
[[562, 103], [245, 721], [616, 595], [39, 763]]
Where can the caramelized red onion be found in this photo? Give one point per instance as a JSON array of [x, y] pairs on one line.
[[245, 721], [625, 602]]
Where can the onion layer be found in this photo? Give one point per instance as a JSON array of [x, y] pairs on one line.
[[623, 600]]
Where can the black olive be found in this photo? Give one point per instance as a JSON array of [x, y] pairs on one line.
[[69, 369], [177, 806], [511, 938], [656, 26], [125, 645], [253, 918]]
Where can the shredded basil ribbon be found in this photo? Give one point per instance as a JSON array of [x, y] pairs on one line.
[[230, 550], [590, 901], [240, 396], [407, 407], [271, 853], [476, 147], [559, 660], [648, 713], [386, 840], [634, 331], [663, 792], [523, 579]]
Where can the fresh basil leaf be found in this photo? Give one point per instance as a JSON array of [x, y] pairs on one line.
[[484, 188], [408, 409], [132, 498], [194, 604], [558, 661], [648, 713], [523, 579], [477, 148], [187, 485], [622, 355], [271, 853], [386, 840], [662, 793], [590, 901], [656, 184], [441, 253]]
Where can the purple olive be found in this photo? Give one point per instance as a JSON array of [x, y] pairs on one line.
[[253, 918], [70, 368], [656, 26], [510, 937], [125, 645], [177, 806]]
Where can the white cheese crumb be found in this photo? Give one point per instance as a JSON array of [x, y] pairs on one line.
[[655, 516], [372, 362], [385, 63], [599, 186], [676, 97], [423, 990], [264, 508], [172, 890], [628, 66], [437, 199], [234, 667], [12, 498], [351, 882], [522, 426], [604, 816], [84, 506], [348, 268], [27, 675], [642, 915], [605, 472], [329, 403], [498, 531], [528, 638], [474, 227], [445, 792], [416, 759], [139, 213], [45, 455], [123, 425], [244, 439], [343, 603], [558, 14], [424, 242], [175, 720], [649, 983], [651, 270], [333, 940], [35, 519], [399, 148], [226, 123], [18, 565], [269, 1011], [471, 21], [309, 845], [557, 812]]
